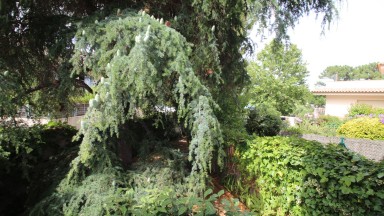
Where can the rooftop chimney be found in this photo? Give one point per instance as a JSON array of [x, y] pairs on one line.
[[380, 67]]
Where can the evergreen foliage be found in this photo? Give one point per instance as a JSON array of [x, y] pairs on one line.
[[141, 65], [156, 185], [147, 65], [347, 73], [37, 39]]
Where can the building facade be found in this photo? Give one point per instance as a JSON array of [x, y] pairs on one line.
[[340, 95]]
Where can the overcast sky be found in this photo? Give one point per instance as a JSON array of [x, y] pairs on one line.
[[356, 38]]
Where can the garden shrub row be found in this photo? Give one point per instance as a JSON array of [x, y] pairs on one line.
[[364, 109], [293, 176], [364, 127], [325, 125]]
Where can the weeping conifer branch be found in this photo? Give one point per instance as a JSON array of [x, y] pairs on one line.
[[139, 55]]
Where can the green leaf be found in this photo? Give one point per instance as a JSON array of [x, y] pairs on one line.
[[123, 210], [162, 209], [323, 179], [380, 175], [208, 192], [220, 193], [345, 190], [210, 209], [182, 210], [359, 177]]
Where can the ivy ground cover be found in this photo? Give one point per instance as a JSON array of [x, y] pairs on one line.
[[293, 176]]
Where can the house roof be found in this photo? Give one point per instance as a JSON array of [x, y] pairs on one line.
[[351, 87]]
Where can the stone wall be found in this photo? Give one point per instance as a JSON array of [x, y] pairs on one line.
[[73, 121], [371, 149]]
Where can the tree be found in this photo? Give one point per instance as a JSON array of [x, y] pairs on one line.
[[278, 77], [345, 72], [142, 69], [367, 71], [191, 59]]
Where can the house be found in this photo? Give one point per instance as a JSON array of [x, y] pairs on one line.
[[340, 95]]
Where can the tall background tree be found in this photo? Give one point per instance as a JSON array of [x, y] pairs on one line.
[[346, 72], [278, 78]]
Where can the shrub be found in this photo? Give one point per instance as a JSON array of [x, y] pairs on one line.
[[291, 131], [293, 176], [30, 161], [82, 98], [324, 125], [364, 109], [58, 133], [330, 121], [155, 185], [368, 128], [264, 121], [302, 110]]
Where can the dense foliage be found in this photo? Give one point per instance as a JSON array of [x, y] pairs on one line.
[[35, 157], [263, 121], [278, 78], [37, 39], [357, 110], [317, 100], [364, 127], [291, 131], [346, 72], [146, 69], [185, 55], [292, 176], [324, 125], [155, 185]]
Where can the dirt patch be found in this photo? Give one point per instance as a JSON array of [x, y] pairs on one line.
[[182, 144], [226, 196]]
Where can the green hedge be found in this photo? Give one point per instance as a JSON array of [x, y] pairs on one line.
[[365, 127], [364, 109], [263, 120], [292, 176]]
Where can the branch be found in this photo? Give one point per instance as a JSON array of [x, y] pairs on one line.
[[39, 87], [82, 84], [55, 84], [33, 89]]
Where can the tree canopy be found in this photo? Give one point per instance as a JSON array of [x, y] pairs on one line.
[[346, 72], [278, 77], [143, 65], [38, 37]]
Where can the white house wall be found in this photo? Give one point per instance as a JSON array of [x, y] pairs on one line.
[[338, 105]]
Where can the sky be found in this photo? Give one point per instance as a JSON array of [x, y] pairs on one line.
[[355, 38]]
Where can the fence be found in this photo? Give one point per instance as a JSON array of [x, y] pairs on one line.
[[371, 149], [78, 110], [318, 112]]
